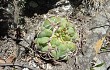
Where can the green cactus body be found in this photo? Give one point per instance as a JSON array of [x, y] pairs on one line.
[[71, 46], [47, 24], [41, 42], [54, 54], [45, 49], [55, 20], [45, 33], [55, 41], [60, 41], [66, 38]]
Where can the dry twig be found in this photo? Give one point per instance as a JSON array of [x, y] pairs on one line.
[[19, 65]]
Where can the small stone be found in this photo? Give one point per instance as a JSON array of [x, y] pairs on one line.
[[49, 67], [32, 63], [25, 69], [66, 7]]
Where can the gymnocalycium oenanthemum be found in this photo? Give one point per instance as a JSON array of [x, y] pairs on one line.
[[56, 38]]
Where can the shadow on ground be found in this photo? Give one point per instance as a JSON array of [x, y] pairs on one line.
[[43, 6], [5, 22]]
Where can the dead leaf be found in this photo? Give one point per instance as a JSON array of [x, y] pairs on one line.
[[98, 45], [10, 59], [2, 60]]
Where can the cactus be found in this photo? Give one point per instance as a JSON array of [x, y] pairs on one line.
[[45, 33], [58, 41]]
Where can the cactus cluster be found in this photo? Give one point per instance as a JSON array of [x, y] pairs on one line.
[[56, 37]]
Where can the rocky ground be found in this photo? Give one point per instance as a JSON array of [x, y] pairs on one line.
[[91, 27]]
